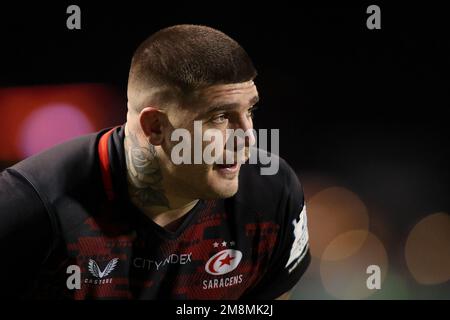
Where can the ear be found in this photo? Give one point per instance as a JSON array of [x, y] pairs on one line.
[[151, 120]]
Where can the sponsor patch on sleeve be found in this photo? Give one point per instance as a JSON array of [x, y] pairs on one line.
[[300, 244]]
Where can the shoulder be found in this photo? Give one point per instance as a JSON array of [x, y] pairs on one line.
[[62, 168], [274, 175], [18, 201], [269, 192]]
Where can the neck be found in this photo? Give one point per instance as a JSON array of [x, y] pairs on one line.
[[147, 186]]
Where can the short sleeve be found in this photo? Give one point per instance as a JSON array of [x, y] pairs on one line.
[[292, 256]]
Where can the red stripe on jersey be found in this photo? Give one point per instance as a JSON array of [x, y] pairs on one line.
[[104, 164]]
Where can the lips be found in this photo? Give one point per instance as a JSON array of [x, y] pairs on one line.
[[230, 168], [226, 168]]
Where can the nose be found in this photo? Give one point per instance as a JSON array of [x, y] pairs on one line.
[[246, 137]]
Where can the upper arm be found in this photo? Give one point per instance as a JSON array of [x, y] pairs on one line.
[[291, 256], [25, 233]]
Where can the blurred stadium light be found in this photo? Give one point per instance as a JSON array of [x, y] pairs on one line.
[[427, 249], [38, 117]]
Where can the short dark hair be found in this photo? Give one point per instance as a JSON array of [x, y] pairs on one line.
[[184, 58]]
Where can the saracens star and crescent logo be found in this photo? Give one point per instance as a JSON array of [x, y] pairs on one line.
[[223, 262]]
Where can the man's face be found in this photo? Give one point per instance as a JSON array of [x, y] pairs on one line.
[[218, 107]]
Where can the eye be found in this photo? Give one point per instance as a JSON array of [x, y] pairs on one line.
[[220, 118], [251, 112]]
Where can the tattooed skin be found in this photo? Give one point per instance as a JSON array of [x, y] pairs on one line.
[[144, 173]]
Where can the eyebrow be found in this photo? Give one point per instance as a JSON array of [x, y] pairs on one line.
[[222, 107]]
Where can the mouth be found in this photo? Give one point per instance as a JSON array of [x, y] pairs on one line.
[[230, 169], [227, 168]]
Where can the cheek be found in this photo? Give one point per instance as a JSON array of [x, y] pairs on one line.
[[193, 174], [199, 144], [214, 140]]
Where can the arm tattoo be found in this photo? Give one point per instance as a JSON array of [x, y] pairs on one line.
[[144, 174]]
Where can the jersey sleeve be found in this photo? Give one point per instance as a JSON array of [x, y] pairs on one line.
[[291, 257], [25, 234]]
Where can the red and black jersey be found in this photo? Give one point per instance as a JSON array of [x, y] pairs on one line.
[[65, 213]]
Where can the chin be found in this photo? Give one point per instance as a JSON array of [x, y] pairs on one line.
[[223, 189], [223, 194]]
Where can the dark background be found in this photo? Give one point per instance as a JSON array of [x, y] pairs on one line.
[[366, 107]]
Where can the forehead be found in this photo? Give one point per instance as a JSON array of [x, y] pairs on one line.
[[229, 93]]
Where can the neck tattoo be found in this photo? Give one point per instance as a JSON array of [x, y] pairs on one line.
[[144, 174]]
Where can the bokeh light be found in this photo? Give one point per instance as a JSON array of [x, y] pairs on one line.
[[331, 212], [343, 267], [50, 125], [427, 249], [36, 117]]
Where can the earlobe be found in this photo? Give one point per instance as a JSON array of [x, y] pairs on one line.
[[150, 119]]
